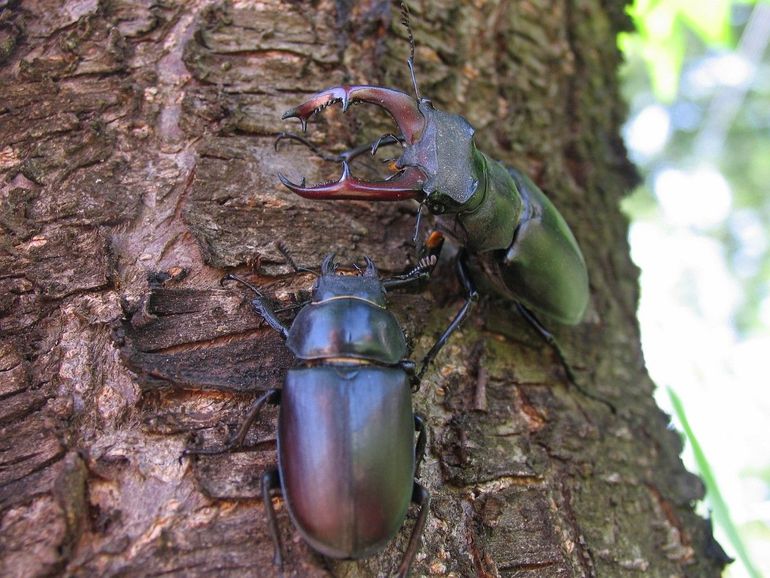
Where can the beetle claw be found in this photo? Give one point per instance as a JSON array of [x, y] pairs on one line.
[[289, 184], [406, 184], [403, 108]]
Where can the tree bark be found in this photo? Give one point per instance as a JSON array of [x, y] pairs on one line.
[[136, 149]]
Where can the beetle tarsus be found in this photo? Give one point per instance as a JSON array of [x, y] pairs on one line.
[[237, 441], [426, 262], [260, 305], [327, 156]]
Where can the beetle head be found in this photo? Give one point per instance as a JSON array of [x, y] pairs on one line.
[[331, 284], [446, 155], [439, 163]]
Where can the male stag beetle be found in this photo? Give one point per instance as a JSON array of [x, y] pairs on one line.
[[347, 457], [513, 233]]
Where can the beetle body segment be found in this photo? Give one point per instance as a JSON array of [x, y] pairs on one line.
[[347, 327], [524, 246], [487, 220], [544, 267], [346, 455]]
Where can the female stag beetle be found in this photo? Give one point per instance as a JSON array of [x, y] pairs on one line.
[[514, 234], [347, 457]]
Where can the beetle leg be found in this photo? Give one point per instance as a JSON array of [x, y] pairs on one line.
[[297, 269], [348, 155], [421, 497], [404, 184], [327, 156], [471, 296], [547, 337], [271, 480], [551, 341], [410, 368], [384, 140], [419, 273], [237, 440], [264, 309], [272, 396], [261, 306], [422, 440], [425, 265]]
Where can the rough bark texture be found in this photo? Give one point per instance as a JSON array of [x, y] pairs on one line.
[[137, 162]]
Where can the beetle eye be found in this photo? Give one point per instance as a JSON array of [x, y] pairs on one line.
[[436, 208]]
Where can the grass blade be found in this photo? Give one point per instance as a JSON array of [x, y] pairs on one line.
[[719, 507]]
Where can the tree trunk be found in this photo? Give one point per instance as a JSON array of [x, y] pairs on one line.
[[136, 148]]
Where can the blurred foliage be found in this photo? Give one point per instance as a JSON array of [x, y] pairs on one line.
[[662, 33], [687, 61], [697, 80]]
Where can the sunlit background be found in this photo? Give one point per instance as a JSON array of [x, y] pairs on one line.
[[698, 89]]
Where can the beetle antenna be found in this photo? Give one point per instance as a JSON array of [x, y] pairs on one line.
[[286, 255], [409, 61], [331, 157], [416, 235], [233, 277]]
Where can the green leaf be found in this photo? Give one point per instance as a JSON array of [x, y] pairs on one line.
[[713, 495]]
